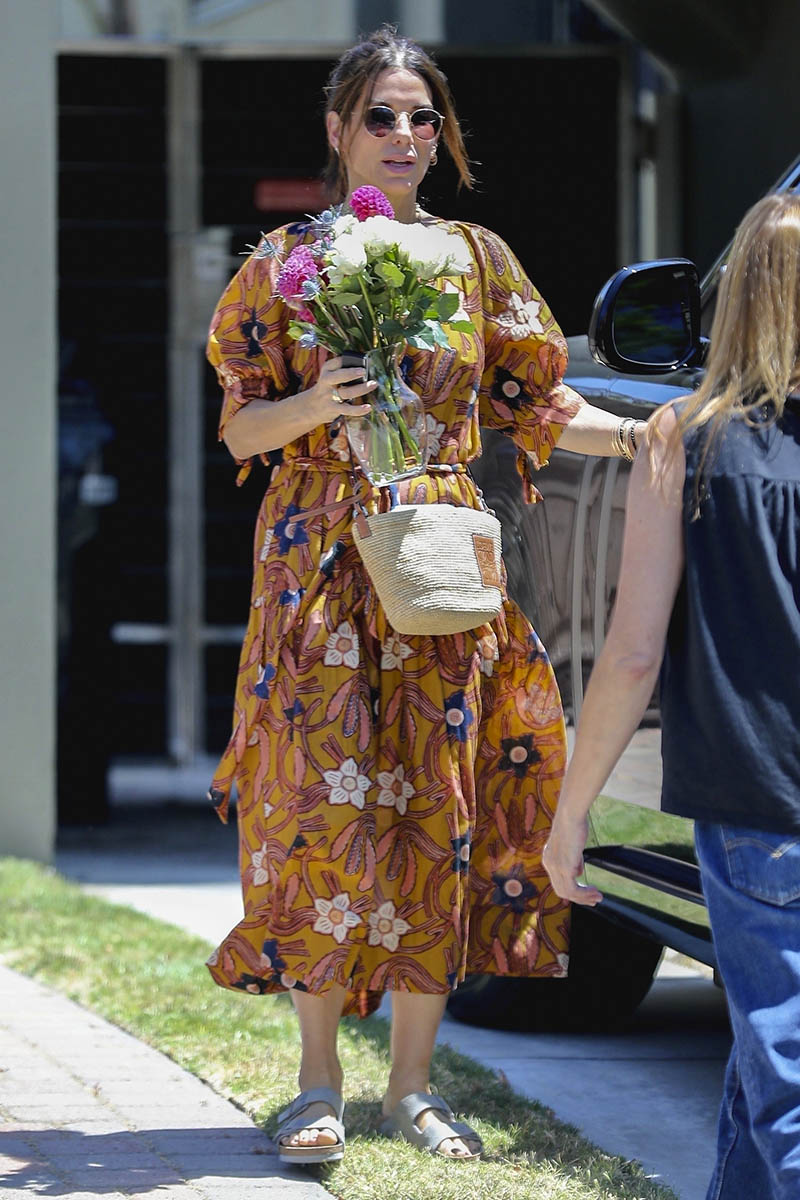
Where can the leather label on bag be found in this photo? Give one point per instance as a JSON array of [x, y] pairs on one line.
[[487, 562]]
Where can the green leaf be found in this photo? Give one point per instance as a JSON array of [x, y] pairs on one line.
[[439, 335], [344, 299], [390, 274], [447, 304], [423, 340], [461, 326], [393, 329]]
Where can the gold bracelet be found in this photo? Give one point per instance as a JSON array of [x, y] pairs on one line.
[[619, 439]]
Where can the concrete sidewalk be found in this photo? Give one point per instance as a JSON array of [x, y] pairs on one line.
[[88, 1111]]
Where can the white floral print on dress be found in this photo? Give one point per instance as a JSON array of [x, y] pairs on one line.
[[348, 785], [393, 651], [395, 791], [266, 545], [487, 647], [342, 647], [521, 319], [335, 916], [260, 874], [435, 431], [385, 927], [340, 447]]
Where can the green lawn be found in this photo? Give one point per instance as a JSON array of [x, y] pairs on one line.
[[148, 977]]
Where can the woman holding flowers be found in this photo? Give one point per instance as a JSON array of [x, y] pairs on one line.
[[394, 792]]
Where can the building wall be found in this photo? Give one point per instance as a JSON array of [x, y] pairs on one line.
[[742, 132], [27, 430]]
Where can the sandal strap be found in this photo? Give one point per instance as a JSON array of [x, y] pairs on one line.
[[418, 1102], [437, 1128], [329, 1124], [317, 1095]]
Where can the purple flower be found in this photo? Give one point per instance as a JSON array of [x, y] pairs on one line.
[[370, 201], [518, 754], [298, 268], [457, 716], [511, 888]]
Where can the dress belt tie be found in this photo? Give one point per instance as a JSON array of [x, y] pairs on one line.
[[355, 500]]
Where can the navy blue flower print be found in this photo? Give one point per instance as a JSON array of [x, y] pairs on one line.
[[292, 597], [269, 952], [290, 533], [458, 716], [461, 852], [253, 330], [252, 983], [452, 980], [509, 390], [518, 754], [512, 888], [262, 687], [296, 710], [216, 797], [330, 559], [298, 843], [536, 651]]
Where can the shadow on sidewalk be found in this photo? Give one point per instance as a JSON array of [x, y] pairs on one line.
[[59, 1162]]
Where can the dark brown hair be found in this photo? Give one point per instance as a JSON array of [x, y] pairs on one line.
[[355, 74]]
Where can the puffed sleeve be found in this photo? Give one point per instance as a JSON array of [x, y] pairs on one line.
[[247, 340], [525, 359]]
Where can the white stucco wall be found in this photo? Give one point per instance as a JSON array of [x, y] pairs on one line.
[[27, 428]]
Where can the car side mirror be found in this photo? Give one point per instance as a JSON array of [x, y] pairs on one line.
[[646, 319]]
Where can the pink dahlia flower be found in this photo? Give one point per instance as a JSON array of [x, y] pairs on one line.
[[305, 314], [370, 201], [299, 267]]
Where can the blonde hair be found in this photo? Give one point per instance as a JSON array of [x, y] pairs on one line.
[[754, 356]]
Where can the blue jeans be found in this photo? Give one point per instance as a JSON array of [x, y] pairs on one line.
[[751, 881]]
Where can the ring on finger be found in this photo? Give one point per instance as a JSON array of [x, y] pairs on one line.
[[337, 399]]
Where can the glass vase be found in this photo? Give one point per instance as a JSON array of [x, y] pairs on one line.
[[391, 441]]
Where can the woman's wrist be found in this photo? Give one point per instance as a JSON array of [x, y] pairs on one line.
[[626, 438]]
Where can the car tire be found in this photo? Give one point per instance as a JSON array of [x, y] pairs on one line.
[[610, 972]]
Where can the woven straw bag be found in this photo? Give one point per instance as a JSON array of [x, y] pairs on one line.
[[436, 567]]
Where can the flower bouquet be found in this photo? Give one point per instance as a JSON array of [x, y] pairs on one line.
[[366, 287]]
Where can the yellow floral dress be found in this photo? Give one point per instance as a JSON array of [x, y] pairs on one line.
[[394, 793]]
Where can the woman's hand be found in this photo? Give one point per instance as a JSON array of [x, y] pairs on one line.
[[336, 387], [563, 860], [263, 425]]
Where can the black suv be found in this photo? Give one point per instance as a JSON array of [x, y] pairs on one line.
[[646, 345]]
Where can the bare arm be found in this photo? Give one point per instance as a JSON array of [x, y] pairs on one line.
[[626, 671], [591, 429], [263, 425]]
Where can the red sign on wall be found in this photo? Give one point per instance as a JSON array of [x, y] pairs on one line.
[[289, 195]]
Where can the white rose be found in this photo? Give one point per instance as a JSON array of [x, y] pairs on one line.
[[344, 224], [459, 259], [378, 234], [345, 257]]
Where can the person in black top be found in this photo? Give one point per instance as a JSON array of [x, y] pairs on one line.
[[710, 583]]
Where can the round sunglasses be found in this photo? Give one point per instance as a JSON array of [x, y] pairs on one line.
[[380, 120]]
